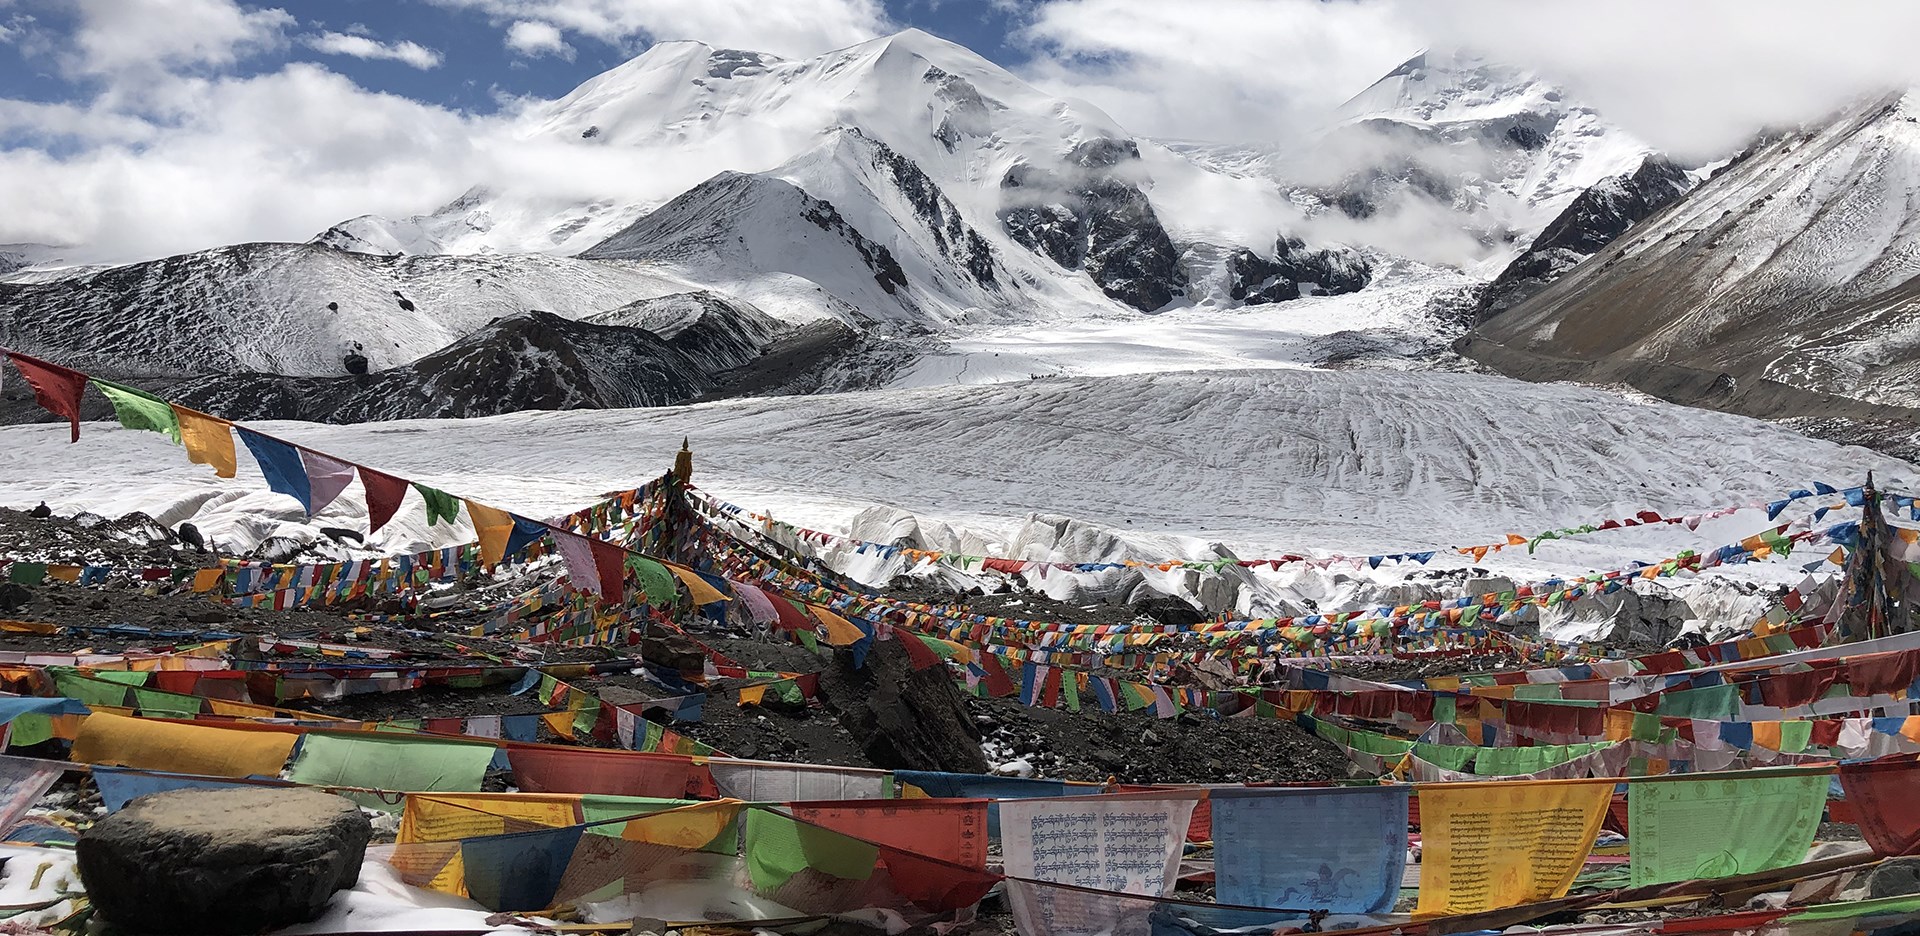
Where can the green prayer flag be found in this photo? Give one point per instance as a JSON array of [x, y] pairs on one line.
[[779, 848], [1794, 736], [655, 734], [1070, 690], [584, 719], [166, 704], [90, 691], [1444, 709], [123, 677], [1449, 756], [29, 728], [138, 409], [1687, 829], [808, 640], [658, 583], [27, 573], [440, 504], [1713, 703], [397, 763]]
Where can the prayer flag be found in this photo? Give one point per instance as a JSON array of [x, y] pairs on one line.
[[191, 749], [778, 848], [518, 871], [138, 409], [1126, 843], [384, 494], [441, 506], [1485, 846], [209, 441], [1342, 850], [55, 388], [1685, 829], [784, 783], [395, 763], [280, 464], [1885, 797], [326, 478], [494, 527]]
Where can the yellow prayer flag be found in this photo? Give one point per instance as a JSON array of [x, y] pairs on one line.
[[696, 586], [29, 627], [840, 631], [560, 723], [1766, 734], [241, 709], [208, 440], [493, 526], [443, 818], [686, 827], [752, 695], [206, 580], [147, 744], [64, 573], [1485, 846]]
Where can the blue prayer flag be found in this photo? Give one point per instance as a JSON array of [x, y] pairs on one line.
[[520, 870], [1342, 850], [280, 464]]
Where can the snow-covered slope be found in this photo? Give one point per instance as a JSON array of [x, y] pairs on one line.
[[1264, 463], [297, 309], [1789, 275]]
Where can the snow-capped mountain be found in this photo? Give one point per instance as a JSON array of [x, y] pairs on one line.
[[653, 352], [298, 309], [1783, 285], [904, 194]]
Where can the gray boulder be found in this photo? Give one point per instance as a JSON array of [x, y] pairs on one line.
[[222, 861]]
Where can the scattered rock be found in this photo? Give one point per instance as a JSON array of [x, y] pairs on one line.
[[222, 861]]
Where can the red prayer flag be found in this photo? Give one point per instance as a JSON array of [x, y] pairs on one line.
[[1885, 796], [613, 773], [55, 388], [384, 493], [611, 561], [928, 846], [918, 655]]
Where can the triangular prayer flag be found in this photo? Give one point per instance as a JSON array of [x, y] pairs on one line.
[[525, 533], [57, 389], [209, 440], [494, 527], [702, 592], [138, 409], [326, 478], [280, 465], [384, 494], [440, 504]]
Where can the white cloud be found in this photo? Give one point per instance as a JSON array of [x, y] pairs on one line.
[[786, 27], [533, 40], [364, 47], [1692, 78], [133, 35], [278, 156]]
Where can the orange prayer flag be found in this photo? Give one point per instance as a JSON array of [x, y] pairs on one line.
[[702, 592], [149, 744], [208, 440], [752, 695], [493, 526], [206, 580], [560, 723], [64, 573]]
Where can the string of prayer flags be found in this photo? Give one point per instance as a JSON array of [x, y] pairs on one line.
[[1498, 844], [1686, 829], [208, 440], [57, 389], [148, 744], [280, 464], [1885, 799], [138, 409], [1340, 849]]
